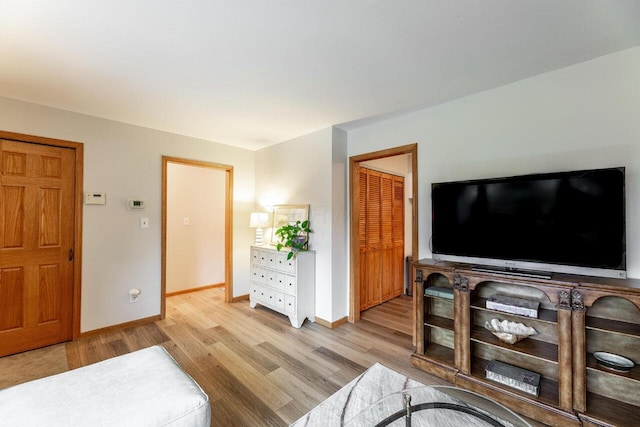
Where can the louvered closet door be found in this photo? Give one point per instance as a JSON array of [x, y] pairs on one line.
[[397, 209], [381, 237], [386, 229], [372, 238], [362, 236]]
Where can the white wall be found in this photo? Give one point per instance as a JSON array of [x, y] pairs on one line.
[[303, 171], [125, 162], [195, 226], [580, 117], [339, 249]]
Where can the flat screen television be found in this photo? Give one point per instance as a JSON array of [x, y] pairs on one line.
[[566, 222]]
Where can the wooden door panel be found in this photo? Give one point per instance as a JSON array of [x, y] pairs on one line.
[[363, 279], [51, 167], [50, 217], [398, 210], [36, 236], [12, 227], [387, 276], [373, 211], [11, 298], [398, 270], [398, 236], [386, 235], [49, 294], [14, 163], [362, 214], [372, 285]]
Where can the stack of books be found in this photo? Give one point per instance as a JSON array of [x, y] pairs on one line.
[[519, 306], [437, 291], [513, 376]]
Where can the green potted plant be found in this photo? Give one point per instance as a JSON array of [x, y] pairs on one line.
[[294, 236]]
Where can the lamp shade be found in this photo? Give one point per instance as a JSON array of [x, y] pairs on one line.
[[259, 220]]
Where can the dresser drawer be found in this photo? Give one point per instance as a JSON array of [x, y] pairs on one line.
[[280, 297], [270, 296], [290, 304], [272, 279], [290, 284], [258, 275]]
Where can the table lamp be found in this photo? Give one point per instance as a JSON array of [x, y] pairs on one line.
[[258, 220]]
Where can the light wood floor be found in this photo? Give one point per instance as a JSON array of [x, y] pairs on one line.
[[255, 367]]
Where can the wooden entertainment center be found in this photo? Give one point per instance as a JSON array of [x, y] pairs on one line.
[[577, 317]]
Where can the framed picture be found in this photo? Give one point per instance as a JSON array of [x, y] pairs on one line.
[[287, 214]]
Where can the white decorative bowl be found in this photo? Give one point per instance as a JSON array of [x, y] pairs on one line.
[[509, 332]]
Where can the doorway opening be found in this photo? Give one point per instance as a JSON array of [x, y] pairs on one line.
[[196, 227], [355, 189]]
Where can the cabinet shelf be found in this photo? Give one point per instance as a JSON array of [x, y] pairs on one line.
[[529, 346], [548, 388], [439, 352], [632, 375], [611, 411], [440, 299], [544, 315], [438, 322], [613, 326]]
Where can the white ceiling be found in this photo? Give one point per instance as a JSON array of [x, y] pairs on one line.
[[253, 73]]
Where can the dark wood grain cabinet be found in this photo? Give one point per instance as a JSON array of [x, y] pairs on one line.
[[577, 316]]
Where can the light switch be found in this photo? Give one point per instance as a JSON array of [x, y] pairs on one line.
[[186, 220], [144, 222]]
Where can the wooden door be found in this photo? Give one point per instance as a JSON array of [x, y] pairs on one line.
[[37, 217], [381, 237], [362, 236], [397, 211], [386, 236], [372, 238]]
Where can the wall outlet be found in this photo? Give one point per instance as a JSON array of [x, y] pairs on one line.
[[133, 295]]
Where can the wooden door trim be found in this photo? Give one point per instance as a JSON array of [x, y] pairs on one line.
[[354, 206], [78, 148], [228, 220]]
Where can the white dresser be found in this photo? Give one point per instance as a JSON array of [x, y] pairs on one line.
[[285, 286]]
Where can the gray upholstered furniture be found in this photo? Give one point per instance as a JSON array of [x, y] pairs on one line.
[[143, 388]]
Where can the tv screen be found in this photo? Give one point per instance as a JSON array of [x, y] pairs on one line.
[[572, 222]]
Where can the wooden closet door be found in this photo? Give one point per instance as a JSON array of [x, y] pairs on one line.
[[372, 238], [398, 235], [386, 237], [362, 236], [381, 237]]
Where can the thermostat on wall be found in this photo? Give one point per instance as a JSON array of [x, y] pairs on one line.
[[95, 198], [136, 204]]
